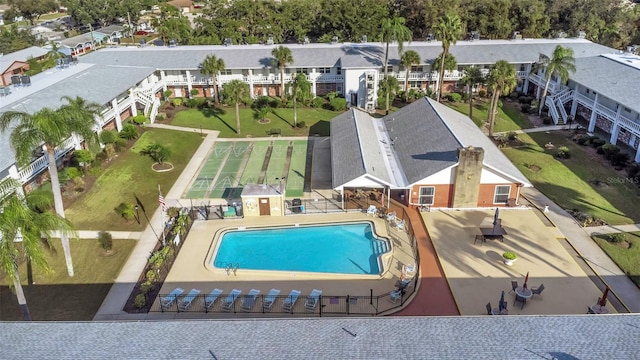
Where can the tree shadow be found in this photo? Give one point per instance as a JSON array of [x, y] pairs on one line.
[[273, 111], [216, 112], [320, 128]]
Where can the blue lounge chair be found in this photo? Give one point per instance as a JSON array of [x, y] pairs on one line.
[[185, 303], [168, 300], [211, 298], [267, 302], [312, 300], [249, 300], [290, 301], [227, 304]]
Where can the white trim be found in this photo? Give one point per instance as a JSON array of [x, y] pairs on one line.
[[495, 193], [433, 195]]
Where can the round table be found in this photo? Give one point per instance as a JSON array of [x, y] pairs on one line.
[[524, 294]]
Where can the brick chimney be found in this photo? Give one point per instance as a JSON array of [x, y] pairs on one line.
[[466, 187]]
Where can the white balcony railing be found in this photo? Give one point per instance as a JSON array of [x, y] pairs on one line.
[[606, 112], [630, 125], [584, 100]]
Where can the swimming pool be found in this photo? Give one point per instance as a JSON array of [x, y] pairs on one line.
[[346, 248]]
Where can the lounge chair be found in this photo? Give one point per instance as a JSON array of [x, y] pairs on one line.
[[290, 301], [249, 300], [395, 295], [267, 302], [400, 225], [372, 210], [391, 217], [211, 299], [230, 300], [408, 271], [312, 300], [168, 300], [185, 303]]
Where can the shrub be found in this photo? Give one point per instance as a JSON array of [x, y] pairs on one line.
[[78, 184], [140, 301], [176, 102], [509, 255], [597, 142], [633, 172], [512, 136], [95, 171], [120, 144], [381, 103], [547, 120], [100, 158], [563, 152], [619, 159], [105, 239], [157, 152], [465, 96], [302, 124], [513, 95], [126, 210], [600, 150], [108, 137], [195, 103], [159, 118], [139, 119], [73, 172], [332, 95], [129, 132], [275, 103], [317, 102], [609, 150], [194, 92], [616, 238], [109, 151], [167, 93], [260, 102], [147, 287], [525, 108], [151, 275], [482, 93], [83, 157], [454, 97], [338, 104], [583, 141]]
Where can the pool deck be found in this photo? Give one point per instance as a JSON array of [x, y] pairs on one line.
[[192, 270]]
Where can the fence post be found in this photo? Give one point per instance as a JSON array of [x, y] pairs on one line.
[[321, 306], [370, 296], [348, 302]]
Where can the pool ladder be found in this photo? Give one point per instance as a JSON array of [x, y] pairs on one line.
[[231, 268]]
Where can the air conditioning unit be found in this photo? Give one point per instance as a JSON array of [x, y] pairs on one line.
[[334, 40], [306, 40], [364, 38], [270, 41], [516, 35]]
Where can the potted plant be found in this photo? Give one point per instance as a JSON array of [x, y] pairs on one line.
[[509, 257]]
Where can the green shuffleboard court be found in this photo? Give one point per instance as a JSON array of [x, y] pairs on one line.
[[295, 177]]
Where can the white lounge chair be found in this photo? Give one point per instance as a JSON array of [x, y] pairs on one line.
[[185, 303], [211, 299], [249, 300], [372, 210], [168, 300], [400, 225], [395, 295], [227, 304], [391, 217], [312, 300], [267, 302], [408, 271], [290, 301]]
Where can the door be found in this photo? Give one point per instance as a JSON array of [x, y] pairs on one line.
[[264, 207], [354, 99]]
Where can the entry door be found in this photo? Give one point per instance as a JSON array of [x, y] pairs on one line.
[[264, 207], [354, 99]]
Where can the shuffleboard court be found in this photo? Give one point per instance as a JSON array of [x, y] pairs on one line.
[[252, 168], [295, 177], [277, 161], [227, 181], [209, 170]]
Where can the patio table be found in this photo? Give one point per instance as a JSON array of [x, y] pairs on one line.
[[522, 294]]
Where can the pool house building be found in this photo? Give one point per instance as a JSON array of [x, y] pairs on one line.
[[128, 81]]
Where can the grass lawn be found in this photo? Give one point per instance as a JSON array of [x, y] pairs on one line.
[[625, 254], [130, 175], [50, 16], [56, 296], [509, 117], [571, 182], [224, 120]]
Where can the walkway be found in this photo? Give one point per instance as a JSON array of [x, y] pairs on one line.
[[91, 234], [536, 129], [115, 300], [620, 284]]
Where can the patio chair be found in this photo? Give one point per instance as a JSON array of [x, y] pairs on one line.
[[290, 301], [211, 299], [537, 291], [312, 300], [249, 300], [514, 285], [391, 217], [168, 300], [372, 210], [395, 295], [272, 296], [400, 225], [408, 271], [185, 303], [230, 300], [489, 309]]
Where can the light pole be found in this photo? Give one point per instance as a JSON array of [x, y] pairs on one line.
[[137, 214]]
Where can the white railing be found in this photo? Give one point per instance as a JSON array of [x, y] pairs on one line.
[[536, 79], [630, 125], [30, 171], [606, 112], [328, 78], [552, 109], [106, 116], [563, 112], [565, 96], [154, 110], [453, 75], [520, 74], [584, 100], [120, 101]]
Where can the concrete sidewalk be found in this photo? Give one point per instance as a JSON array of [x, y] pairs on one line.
[[93, 234], [536, 129], [114, 302], [611, 229], [620, 284]]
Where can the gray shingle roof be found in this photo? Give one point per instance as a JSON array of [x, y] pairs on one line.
[[21, 55], [347, 162], [610, 78], [72, 42], [422, 142], [108, 30], [471, 337]]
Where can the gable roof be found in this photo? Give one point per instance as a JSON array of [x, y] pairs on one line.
[[108, 30], [21, 55]]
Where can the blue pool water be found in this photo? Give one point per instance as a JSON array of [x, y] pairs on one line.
[[342, 248]]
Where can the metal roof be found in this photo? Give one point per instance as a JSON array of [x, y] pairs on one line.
[[462, 337], [611, 77]]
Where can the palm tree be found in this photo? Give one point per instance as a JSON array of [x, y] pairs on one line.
[[473, 75], [407, 60], [389, 87], [282, 57], [559, 64], [448, 30], [502, 79], [235, 92], [300, 88], [22, 223], [450, 64], [51, 127], [55, 52], [212, 65], [394, 29]]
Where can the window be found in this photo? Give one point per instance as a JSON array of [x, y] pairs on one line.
[[339, 71], [390, 69], [416, 68], [502, 194], [225, 72], [427, 195], [324, 70], [305, 71], [523, 67]]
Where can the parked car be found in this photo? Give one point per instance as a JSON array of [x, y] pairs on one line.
[[142, 32]]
